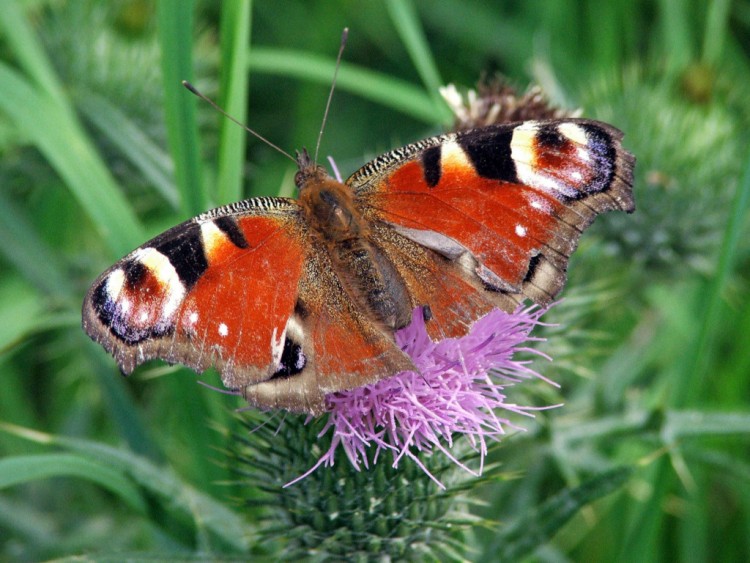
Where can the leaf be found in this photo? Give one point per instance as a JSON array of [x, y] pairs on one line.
[[683, 424], [380, 88], [175, 24], [21, 312], [54, 130], [26, 250], [173, 492], [538, 525], [152, 161], [25, 469], [235, 38], [405, 20], [31, 56]]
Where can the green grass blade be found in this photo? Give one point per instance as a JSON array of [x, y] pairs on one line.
[[175, 21], [173, 492], [235, 39], [15, 386], [502, 37], [26, 469], [383, 89], [148, 157], [605, 17], [21, 312], [31, 256], [535, 528], [175, 36], [697, 357], [697, 424], [208, 408], [404, 17], [688, 375], [120, 406], [60, 138], [737, 374], [676, 44], [30, 55], [717, 23]]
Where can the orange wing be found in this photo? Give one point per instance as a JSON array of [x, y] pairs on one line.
[[215, 290], [504, 205], [242, 288]]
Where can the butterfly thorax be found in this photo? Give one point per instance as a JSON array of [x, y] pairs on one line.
[[329, 209], [364, 272]]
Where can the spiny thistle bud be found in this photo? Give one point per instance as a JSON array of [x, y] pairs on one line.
[[404, 440], [688, 163]]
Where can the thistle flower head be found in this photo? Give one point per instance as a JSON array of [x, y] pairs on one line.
[[495, 101], [459, 389]]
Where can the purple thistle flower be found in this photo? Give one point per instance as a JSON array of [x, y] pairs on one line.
[[459, 390]]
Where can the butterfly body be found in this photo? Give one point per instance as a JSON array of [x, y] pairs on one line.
[[294, 299], [338, 227]]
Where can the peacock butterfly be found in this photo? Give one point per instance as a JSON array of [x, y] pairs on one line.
[[292, 299]]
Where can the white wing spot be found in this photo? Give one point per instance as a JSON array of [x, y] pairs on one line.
[[115, 283], [162, 269], [193, 318], [520, 230], [223, 329], [577, 176], [212, 238], [573, 132], [277, 346], [453, 157], [540, 203], [143, 316]]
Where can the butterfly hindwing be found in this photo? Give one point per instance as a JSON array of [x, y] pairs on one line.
[[447, 287], [343, 347]]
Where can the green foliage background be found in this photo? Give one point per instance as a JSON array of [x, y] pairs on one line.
[[101, 148]]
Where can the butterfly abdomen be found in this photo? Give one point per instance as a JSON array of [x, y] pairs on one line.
[[370, 278], [365, 273]]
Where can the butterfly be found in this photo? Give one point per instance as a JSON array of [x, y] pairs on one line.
[[292, 299]]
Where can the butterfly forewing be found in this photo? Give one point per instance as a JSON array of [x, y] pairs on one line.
[[515, 196], [216, 290]]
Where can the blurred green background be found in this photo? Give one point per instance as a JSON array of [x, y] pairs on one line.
[[101, 148]]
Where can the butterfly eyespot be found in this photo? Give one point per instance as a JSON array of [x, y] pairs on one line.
[[116, 311], [292, 361]]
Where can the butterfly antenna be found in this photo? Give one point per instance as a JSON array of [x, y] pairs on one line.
[[205, 98], [344, 36]]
